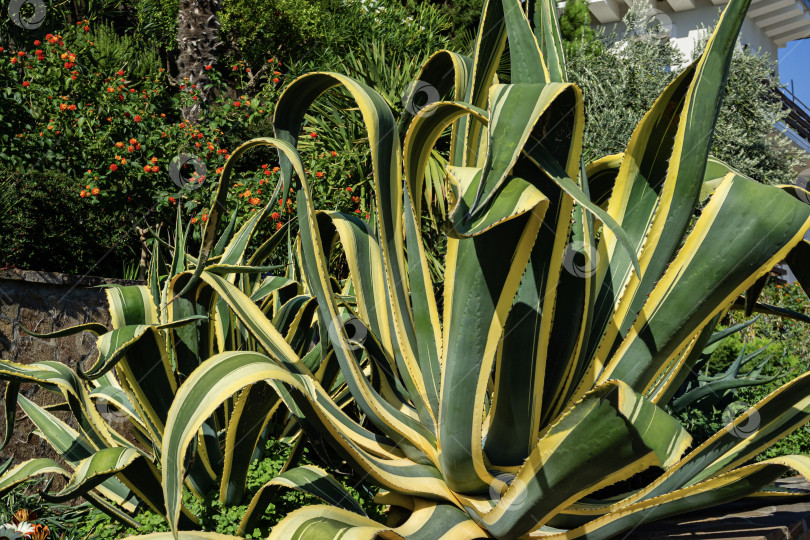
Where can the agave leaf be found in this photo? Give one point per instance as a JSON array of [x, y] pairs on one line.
[[316, 481], [569, 462], [725, 488], [225, 239], [543, 14], [709, 272], [26, 470], [10, 403], [255, 406]]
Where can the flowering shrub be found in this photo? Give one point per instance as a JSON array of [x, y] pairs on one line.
[[115, 141]]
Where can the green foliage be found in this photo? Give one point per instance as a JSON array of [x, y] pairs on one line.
[[575, 21], [619, 81], [157, 21], [745, 129], [224, 519], [323, 31], [786, 342], [74, 237]]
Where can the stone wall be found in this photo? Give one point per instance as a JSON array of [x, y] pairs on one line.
[[44, 302]]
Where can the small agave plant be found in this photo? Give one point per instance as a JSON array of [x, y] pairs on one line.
[[574, 305], [159, 336]]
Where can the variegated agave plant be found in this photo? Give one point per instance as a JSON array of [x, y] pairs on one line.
[[121, 404], [574, 303]]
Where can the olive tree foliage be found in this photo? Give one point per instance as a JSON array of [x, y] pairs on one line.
[[622, 75]]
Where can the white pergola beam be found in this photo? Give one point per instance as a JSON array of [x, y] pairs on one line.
[[605, 11], [769, 7], [781, 41], [783, 28], [790, 12], [681, 5]]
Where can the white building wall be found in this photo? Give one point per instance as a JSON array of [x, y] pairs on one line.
[[687, 18]]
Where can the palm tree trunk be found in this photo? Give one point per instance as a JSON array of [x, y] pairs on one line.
[[199, 43]]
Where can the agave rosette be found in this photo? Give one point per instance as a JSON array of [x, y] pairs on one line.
[[574, 303]]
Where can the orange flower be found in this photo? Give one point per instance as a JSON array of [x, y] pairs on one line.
[[204, 217], [155, 168], [119, 144], [83, 194], [193, 220], [95, 191], [113, 167], [279, 225], [275, 216], [319, 174], [137, 118], [254, 201], [41, 532], [154, 160], [147, 168]]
